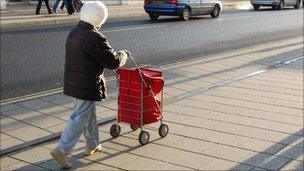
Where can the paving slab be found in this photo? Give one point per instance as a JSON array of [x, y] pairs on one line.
[[282, 84], [223, 117], [8, 124], [266, 161], [155, 151], [60, 100], [292, 152], [4, 137], [189, 159], [57, 112], [23, 166], [23, 115], [11, 143], [252, 105], [38, 156], [147, 164], [77, 162], [99, 167], [32, 134], [4, 108], [219, 164], [293, 165], [262, 146], [263, 93], [35, 104], [260, 99], [7, 161], [228, 153], [191, 145]]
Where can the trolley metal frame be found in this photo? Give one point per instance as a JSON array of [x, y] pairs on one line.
[[144, 135]]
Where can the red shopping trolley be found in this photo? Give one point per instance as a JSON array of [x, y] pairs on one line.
[[138, 103]]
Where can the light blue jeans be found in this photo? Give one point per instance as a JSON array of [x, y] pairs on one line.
[[83, 120]]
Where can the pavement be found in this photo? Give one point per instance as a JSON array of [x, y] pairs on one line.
[[23, 15], [237, 110]]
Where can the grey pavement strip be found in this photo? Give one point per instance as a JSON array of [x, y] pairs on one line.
[[161, 157], [31, 96], [295, 136], [229, 81], [221, 83], [237, 123], [167, 101], [201, 153], [38, 95], [45, 139], [250, 162]]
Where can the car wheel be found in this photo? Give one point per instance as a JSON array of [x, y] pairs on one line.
[[281, 5], [297, 5], [216, 11], [274, 7], [185, 14], [256, 7], [153, 16]]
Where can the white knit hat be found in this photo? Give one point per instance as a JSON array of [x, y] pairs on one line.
[[94, 12]]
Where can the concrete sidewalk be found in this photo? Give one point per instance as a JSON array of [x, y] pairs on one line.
[[239, 110], [23, 15]]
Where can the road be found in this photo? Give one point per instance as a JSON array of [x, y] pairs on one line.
[[32, 60]]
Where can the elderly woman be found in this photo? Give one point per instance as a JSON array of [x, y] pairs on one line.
[[88, 52]]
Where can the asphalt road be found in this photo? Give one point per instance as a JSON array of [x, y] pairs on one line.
[[32, 60]]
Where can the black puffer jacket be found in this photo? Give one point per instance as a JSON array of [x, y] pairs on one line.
[[87, 54]]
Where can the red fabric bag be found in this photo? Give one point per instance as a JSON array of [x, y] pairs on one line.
[[129, 98]]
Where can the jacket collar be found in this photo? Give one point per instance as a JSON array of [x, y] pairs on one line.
[[86, 25]]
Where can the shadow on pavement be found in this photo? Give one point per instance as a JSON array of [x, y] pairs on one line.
[[265, 162], [269, 62], [80, 162]]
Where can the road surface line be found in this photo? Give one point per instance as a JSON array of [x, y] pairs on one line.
[[132, 28], [235, 18]]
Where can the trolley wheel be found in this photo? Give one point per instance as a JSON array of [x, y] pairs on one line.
[[163, 130], [134, 127], [115, 130], [144, 137]]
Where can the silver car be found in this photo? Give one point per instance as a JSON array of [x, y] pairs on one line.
[[275, 4]]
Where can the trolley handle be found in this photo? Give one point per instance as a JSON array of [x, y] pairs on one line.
[[141, 75], [137, 67]]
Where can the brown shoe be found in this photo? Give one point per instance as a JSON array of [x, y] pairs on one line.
[[61, 158], [88, 151]]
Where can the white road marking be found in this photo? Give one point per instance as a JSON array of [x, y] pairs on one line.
[[236, 18], [132, 28]]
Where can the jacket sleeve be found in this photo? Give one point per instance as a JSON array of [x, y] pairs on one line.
[[106, 56]]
